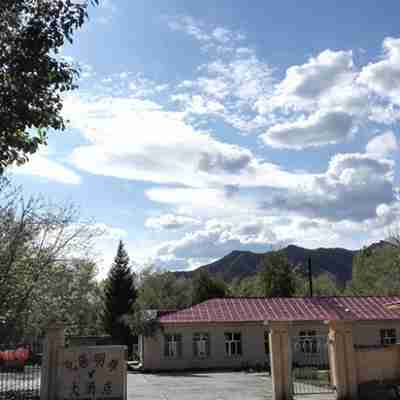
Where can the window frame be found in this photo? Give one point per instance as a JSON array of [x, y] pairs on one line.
[[267, 350], [173, 340], [308, 342], [388, 336], [201, 337], [234, 345]]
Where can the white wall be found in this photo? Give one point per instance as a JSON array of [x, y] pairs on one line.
[[365, 333], [252, 348]]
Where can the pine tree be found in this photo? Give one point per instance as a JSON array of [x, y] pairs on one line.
[[119, 298]]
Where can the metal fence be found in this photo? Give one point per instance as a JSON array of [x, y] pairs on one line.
[[310, 365], [20, 369]]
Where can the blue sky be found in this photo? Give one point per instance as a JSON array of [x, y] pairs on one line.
[[205, 127]]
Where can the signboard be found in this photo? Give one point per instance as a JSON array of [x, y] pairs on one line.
[[92, 373]]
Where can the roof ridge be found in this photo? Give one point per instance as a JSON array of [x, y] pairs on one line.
[[300, 297], [261, 308]]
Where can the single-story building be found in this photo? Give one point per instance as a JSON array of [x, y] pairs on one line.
[[233, 332]]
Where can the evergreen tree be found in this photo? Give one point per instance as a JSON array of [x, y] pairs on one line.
[[119, 298], [205, 287]]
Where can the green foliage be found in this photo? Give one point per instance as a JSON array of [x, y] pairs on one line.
[[32, 76], [277, 277], [119, 297], [323, 285], [158, 290], [205, 287], [326, 285], [162, 290], [246, 287], [376, 271]]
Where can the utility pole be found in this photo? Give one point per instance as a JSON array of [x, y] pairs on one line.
[[310, 277]]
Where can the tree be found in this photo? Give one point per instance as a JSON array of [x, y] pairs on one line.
[[277, 277], [71, 294], [163, 290], [245, 287], [376, 271], [32, 76], [324, 284], [119, 298], [157, 290], [36, 237], [205, 287]]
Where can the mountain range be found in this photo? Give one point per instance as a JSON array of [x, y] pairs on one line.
[[242, 264]]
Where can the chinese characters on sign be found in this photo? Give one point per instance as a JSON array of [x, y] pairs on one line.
[[92, 373]]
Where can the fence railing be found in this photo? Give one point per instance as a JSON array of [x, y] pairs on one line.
[[310, 365], [20, 371]]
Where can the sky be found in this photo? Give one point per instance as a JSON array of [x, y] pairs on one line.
[[200, 128]]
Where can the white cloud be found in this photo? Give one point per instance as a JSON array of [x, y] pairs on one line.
[[217, 38], [171, 222], [142, 87], [201, 202], [386, 114], [40, 165], [323, 101], [309, 82], [190, 26], [110, 232], [217, 239], [229, 84], [132, 133], [383, 77], [124, 136], [321, 128], [327, 80], [228, 88], [198, 105], [136, 139], [351, 189], [221, 34], [255, 233], [383, 145]]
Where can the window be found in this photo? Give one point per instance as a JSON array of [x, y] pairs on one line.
[[173, 345], [388, 336], [308, 342], [201, 345], [233, 344], [266, 342]]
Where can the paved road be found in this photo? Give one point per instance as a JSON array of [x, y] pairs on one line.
[[200, 386]]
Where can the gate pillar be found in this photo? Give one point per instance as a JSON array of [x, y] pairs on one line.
[[280, 350], [54, 340], [342, 359]]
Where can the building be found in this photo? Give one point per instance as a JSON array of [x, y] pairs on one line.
[[233, 332]]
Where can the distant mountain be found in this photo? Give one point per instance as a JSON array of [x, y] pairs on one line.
[[241, 264], [336, 261]]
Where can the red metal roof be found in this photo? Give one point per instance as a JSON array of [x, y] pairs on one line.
[[287, 309]]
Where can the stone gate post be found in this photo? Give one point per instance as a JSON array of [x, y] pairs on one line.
[[280, 350], [54, 340], [342, 359]]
